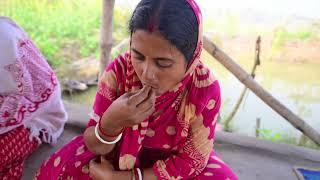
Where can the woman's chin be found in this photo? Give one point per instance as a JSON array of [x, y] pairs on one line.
[[158, 92]]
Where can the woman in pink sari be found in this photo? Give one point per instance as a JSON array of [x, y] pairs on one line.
[[156, 107], [31, 110]]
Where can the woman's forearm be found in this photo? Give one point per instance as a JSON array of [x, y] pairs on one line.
[[148, 174], [93, 143]]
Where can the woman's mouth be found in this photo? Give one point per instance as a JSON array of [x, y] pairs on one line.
[[152, 86]]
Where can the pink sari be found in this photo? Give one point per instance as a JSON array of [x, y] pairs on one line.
[[176, 140]]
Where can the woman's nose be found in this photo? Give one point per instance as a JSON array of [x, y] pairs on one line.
[[148, 73]]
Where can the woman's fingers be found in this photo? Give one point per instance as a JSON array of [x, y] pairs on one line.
[[92, 165], [139, 97], [148, 103], [149, 111], [103, 160], [94, 169]]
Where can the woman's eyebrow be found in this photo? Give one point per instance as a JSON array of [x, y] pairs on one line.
[[137, 52], [157, 58], [163, 59]]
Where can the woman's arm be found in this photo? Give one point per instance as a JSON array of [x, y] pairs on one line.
[[148, 174], [105, 171], [106, 94], [115, 113], [94, 145]]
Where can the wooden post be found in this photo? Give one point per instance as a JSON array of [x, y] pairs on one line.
[[258, 124], [303, 140], [106, 34], [248, 81], [242, 95]]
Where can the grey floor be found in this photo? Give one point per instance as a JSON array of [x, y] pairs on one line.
[[250, 158], [248, 163]]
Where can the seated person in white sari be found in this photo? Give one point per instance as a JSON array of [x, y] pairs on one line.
[[31, 110]]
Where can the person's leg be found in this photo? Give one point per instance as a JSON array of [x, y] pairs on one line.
[[13, 172], [216, 169], [15, 147], [70, 162]]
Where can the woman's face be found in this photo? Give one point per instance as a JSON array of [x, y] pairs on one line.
[[156, 61]]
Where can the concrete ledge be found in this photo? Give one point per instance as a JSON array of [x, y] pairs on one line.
[[249, 157], [275, 147], [78, 116]]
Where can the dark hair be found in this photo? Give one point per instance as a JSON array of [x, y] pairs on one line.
[[174, 19]]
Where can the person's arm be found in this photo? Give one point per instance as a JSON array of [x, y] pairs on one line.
[[105, 171], [115, 113], [106, 94], [94, 145], [193, 154], [148, 174]]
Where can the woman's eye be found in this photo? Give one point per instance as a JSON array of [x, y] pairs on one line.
[[138, 58], [163, 64]]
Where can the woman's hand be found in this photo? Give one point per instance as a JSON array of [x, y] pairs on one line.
[[129, 109], [105, 171], [101, 171]]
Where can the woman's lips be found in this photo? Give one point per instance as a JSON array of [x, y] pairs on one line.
[[152, 86]]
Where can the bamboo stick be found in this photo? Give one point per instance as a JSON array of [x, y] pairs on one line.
[[106, 34], [242, 95], [303, 140], [247, 80], [258, 124]]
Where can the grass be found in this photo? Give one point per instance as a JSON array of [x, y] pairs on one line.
[[64, 30], [283, 35], [282, 137]]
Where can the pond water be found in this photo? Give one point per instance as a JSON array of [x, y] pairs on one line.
[[296, 85]]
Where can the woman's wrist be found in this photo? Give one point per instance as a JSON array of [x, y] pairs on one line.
[[125, 175], [93, 145], [110, 126]]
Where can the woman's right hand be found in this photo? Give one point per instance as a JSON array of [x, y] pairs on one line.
[[128, 110]]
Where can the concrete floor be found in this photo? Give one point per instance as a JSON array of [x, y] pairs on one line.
[[250, 158]]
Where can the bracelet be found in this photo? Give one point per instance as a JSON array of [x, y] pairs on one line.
[[139, 173], [106, 134], [133, 173], [96, 131]]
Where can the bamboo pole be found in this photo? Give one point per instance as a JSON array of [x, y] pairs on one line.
[[248, 81], [106, 34], [258, 124], [242, 95], [235, 110], [303, 140]]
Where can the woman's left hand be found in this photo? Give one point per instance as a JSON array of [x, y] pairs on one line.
[[101, 171]]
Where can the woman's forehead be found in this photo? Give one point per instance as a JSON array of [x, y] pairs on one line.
[[153, 44]]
